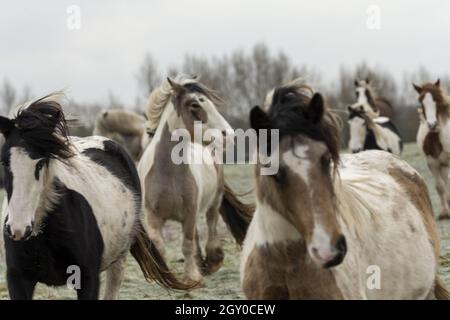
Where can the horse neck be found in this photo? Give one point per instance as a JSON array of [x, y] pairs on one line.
[[170, 119]]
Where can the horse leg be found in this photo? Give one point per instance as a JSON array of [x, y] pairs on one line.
[[441, 187], [90, 284], [155, 225], [19, 286], [191, 268], [214, 251], [114, 277], [444, 171]]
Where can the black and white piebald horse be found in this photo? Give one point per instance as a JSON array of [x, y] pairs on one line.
[[72, 204], [368, 133]]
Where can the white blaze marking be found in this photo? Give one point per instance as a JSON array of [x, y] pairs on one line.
[[362, 98], [430, 108], [26, 190], [297, 162]]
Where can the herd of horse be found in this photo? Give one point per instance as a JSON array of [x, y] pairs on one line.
[[318, 225]]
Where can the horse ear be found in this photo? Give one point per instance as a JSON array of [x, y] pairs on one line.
[[259, 119], [417, 88], [356, 83], [349, 108], [437, 83], [316, 108], [367, 80], [6, 125], [176, 87]]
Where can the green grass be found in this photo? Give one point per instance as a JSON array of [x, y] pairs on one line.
[[225, 283]]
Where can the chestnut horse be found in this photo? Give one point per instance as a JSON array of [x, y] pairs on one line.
[[433, 137]]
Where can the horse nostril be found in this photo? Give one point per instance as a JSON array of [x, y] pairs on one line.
[[341, 244], [341, 248], [7, 231], [28, 231]]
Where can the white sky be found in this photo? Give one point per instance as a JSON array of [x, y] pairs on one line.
[[37, 49]]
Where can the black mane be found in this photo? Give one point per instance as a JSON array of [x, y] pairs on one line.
[[289, 114], [43, 128]]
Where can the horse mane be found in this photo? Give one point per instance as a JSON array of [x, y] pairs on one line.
[[42, 125], [121, 121], [160, 97], [289, 116]]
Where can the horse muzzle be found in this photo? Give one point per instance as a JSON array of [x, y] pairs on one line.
[[18, 234]]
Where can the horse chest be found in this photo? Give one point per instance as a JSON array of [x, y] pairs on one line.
[[283, 271], [432, 145]]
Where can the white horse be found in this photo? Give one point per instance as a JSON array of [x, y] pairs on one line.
[[362, 228]]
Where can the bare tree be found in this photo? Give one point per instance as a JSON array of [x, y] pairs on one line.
[[148, 76], [7, 96]]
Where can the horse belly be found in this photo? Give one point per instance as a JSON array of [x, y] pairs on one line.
[[116, 221]]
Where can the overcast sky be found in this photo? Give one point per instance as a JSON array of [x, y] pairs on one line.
[[38, 49]]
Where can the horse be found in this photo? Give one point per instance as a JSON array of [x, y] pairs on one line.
[[73, 208], [325, 225], [374, 105], [184, 191], [125, 127], [372, 134], [433, 137]]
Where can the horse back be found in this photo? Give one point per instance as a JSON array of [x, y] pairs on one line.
[[385, 107]]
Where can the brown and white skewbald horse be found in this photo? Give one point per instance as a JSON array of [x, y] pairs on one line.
[[183, 192], [323, 221], [433, 137], [373, 105]]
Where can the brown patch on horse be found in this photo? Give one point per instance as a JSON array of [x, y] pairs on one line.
[[385, 107], [285, 271], [417, 191], [432, 145]]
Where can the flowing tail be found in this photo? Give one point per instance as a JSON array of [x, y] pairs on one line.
[[152, 262], [237, 215], [440, 290]]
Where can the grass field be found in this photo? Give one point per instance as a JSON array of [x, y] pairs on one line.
[[225, 283]]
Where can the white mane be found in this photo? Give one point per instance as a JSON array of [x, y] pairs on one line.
[[160, 97]]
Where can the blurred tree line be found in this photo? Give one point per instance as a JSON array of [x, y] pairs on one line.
[[244, 77]]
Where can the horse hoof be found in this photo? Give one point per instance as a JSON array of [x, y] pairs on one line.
[[444, 216], [214, 260], [194, 284]]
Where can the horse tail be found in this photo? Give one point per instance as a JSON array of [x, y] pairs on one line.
[[237, 215], [440, 290], [152, 262]]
